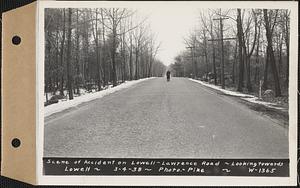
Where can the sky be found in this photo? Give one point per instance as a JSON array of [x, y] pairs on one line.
[[171, 25]]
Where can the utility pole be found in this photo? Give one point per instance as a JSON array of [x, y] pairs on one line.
[[222, 53], [222, 49]]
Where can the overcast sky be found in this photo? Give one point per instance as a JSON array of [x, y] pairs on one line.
[[170, 26]]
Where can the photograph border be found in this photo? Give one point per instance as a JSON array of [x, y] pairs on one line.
[[169, 180]]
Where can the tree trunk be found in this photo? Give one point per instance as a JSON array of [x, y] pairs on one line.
[[113, 54], [256, 75], [287, 63], [48, 58], [205, 53], [62, 54], [77, 54], [234, 64], [150, 67], [97, 54], [248, 77], [247, 64], [280, 57], [130, 59], [56, 63], [194, 62], [241, 59], [69, 70], [213, 55], [266, 80], [136, 65], [287, 42], [271, 53], [85, 64], [248, 53], [257, 64], [105, 77], [214, 65], [123, 58], [222, 57]]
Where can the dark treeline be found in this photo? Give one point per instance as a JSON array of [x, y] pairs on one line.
[[93, 48], [254, 51]]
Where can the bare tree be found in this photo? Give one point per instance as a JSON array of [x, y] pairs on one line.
[[204, 31], [115, 16], [103, 39], [96, 32], [270, 17], [138, 39], [248, 51]]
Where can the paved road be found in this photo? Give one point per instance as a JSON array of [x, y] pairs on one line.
[[156, 118]]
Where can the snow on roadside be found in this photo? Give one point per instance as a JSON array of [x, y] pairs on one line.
[[232, 93], [247, 97], [268, 104], [62, 105]]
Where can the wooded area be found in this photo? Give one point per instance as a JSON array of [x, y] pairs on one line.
[[90, 49], [240, 48]]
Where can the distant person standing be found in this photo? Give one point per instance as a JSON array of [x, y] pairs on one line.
[[168, 75]]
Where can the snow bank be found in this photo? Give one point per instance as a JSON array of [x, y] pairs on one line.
[[232, 93], [268, 104], [62, 105], [247, 97]]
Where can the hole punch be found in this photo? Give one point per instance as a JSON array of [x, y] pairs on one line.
[[16, 40], [16, 142]]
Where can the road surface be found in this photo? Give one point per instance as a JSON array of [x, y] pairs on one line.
[[162, 119]]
